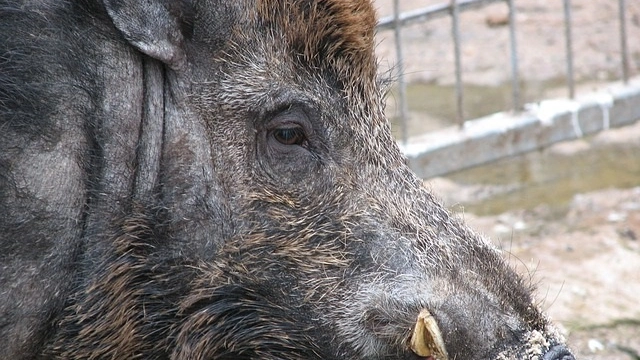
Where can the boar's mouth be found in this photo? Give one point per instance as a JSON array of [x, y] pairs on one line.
[[426, 339]]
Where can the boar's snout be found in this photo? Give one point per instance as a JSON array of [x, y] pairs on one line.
[[559, 352], [428, 287]]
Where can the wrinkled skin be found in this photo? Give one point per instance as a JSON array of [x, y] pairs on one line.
[[216, 180]]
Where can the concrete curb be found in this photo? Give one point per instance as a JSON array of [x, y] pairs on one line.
[[501, 135]]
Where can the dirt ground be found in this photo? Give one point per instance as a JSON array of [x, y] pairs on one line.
[[428, 48], [584, 259], [585, 263], [485, 55]]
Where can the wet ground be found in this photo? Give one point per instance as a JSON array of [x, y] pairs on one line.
[[568, 217], [553, 176]]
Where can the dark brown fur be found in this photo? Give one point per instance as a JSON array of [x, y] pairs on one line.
[[338, 34]]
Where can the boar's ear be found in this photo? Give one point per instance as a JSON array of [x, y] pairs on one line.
[[155, 27]]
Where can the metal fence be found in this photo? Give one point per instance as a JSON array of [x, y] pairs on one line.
[[453, 9]]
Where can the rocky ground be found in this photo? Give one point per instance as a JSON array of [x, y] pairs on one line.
[[584, 255]]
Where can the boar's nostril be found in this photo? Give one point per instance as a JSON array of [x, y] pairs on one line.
[[558, 352], [426, 339]]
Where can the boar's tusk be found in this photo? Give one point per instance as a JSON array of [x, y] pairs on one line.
[[426, 340]]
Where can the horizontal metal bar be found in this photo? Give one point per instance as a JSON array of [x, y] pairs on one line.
[[430, 12], [501, 135]]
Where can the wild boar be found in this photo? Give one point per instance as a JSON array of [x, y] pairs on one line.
[[217, 180]]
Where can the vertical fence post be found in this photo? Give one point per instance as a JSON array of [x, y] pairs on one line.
[[515, 77], [623, 42], [569, 48], [402, 87], [455, 30]]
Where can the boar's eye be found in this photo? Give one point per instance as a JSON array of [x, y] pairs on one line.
[[290, 127], [287, 145], [290, 135]]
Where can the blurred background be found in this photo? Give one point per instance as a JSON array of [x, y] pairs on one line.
[[522, 116]]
